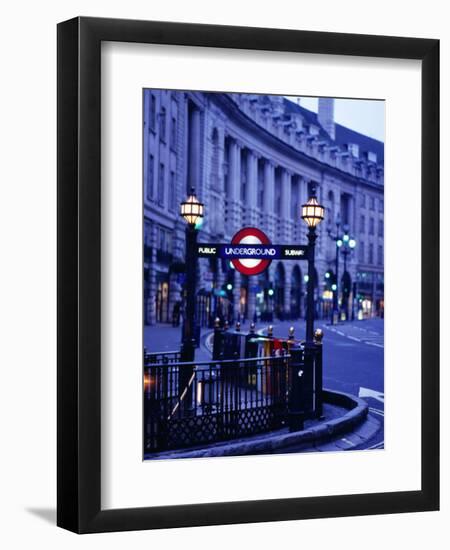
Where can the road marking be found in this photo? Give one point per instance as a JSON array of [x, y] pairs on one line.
[[376, 411], [379, 445], [367, 392], [363, 338]]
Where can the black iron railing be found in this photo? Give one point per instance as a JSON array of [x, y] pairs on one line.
[[231, 344], [216, 401], [161, 357]]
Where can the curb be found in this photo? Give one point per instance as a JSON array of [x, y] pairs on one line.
[[322, 433]]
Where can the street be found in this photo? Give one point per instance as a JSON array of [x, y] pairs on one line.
[[353, 358], [353, 362]]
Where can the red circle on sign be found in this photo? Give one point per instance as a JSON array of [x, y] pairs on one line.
[[250, 234]]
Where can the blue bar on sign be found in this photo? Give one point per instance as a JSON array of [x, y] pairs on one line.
[[253, 251]]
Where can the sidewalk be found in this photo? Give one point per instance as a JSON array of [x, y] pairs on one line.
[[345, 426], [370, 332]]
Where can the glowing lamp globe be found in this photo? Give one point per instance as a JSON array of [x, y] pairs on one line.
[[312, 212], [191, 209]]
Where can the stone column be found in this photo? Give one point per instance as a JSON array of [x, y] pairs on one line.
[[269, 196], [351, 215], [194, 150], [234, 179], [286, 187], [252, 188], [303, 185]]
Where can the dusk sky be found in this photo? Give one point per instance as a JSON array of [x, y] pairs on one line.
[[364, 116]]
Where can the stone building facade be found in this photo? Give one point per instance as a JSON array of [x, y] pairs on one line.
[[253, 161]]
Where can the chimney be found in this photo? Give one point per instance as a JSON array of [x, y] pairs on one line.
[[326, 115]]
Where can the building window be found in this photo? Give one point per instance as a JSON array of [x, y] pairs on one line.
[[162, 124], [371, 157], [361, 252], [353, 149], [362, 224], [345, 209], [215, 177], [372, 203], [173, 133], [173, 192], [371, 226], [163, 239], [161, 184], [381, 205], [380, 254], [380, 227], [147, 233], [152, 112], [362, 201], [370, 253], [150, 176]]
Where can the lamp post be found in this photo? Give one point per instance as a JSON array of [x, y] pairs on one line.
[[348, 244], [302, 361], [192, 211], [312, 215], [338, 241]]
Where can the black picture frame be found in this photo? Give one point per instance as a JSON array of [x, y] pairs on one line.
[[79, 280]]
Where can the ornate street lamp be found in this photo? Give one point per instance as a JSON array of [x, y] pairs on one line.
[[192, 210], [348, 244], [312, 215]]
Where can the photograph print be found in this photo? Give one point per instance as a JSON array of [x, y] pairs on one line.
[[263, 268]]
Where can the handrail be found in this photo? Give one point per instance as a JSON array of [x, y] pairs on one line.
[[174, 352], [222, 362]]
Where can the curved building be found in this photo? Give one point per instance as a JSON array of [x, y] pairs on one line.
[[253, 161]]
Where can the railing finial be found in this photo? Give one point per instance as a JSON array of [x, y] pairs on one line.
[[318, 336]]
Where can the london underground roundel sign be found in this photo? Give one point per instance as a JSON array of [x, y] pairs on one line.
[[253, 236]]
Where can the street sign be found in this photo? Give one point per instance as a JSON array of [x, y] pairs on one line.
[[251, 251], [242, 242]]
